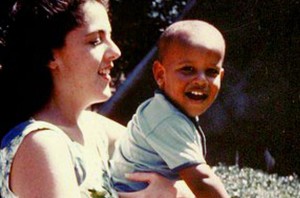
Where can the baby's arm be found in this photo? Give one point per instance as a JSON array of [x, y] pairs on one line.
[[203, 182]]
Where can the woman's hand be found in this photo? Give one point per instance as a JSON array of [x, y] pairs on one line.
[[158, 187]]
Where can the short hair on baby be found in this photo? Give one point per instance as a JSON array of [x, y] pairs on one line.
[[183, 32]]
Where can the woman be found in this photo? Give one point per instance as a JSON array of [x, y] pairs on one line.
[[55, 63]]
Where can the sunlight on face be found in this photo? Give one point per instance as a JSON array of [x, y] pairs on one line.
[[87, 57], [190, 70]]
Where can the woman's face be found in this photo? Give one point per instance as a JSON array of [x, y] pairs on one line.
[[81, 68]]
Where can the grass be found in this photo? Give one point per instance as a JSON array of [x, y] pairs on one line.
[[250, 183]]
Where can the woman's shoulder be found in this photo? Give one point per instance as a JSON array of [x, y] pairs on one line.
[[100, 121], [33, 149], [44, 141], [41, 154], [32, 135], [22, 130], [107, 127], [92, 116]]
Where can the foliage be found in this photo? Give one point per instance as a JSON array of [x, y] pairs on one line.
[[251, 183], [258, 107], [97, 194], [137, 26]]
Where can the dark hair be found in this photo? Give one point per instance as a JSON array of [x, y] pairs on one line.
[[181, 31], [30, 30]]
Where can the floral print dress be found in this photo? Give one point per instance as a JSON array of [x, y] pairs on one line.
[[95, 186]]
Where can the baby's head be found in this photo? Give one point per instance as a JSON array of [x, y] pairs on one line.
[[189, 66]]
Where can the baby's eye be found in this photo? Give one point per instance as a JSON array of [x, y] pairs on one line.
[[187, 69], [212, 72]]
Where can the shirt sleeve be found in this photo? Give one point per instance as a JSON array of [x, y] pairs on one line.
[[177, 141]]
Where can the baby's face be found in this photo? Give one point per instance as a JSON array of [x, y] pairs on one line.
[[191, 76]]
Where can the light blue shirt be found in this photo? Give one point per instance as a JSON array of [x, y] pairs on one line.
[[160, 138]]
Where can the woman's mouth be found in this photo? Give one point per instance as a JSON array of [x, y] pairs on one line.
[[105, 73]]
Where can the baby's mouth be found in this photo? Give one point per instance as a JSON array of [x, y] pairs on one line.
[[196, 95]]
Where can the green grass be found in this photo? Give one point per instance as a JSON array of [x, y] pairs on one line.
[[250, 183]]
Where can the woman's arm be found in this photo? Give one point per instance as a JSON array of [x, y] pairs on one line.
[[42, 167], [158, 187], [203, 182]]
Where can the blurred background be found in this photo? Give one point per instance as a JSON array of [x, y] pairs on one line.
[[254, 122]]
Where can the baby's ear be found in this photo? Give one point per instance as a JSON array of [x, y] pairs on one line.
[[158, 73]]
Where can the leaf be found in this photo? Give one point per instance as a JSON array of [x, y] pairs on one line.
[[97, 194]]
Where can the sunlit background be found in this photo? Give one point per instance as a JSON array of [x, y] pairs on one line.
[[254, 121]]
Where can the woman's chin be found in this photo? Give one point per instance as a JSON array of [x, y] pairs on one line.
[[106, 94]]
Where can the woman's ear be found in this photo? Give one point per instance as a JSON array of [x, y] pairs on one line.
[[54, 62], [158, 73]]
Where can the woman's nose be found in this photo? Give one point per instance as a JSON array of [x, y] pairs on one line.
[[113, 51]]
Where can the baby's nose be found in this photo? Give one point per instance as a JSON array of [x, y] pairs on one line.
[[201, 79]]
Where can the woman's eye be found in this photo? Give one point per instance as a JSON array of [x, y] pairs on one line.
[[212, 72], [96, 41]]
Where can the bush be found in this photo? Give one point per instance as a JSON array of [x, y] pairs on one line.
[[250, 183]]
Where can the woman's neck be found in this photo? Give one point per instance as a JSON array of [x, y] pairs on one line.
[[65, 116]]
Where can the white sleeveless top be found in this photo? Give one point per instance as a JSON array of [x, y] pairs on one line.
[[100, 182]]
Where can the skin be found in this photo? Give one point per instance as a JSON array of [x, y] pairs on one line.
[[159, 187], [190, 73], [80, 72]]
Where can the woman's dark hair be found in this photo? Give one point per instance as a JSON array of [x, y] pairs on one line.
[[30, 30]]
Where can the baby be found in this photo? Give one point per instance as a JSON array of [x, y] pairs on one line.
[[163, 135]]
